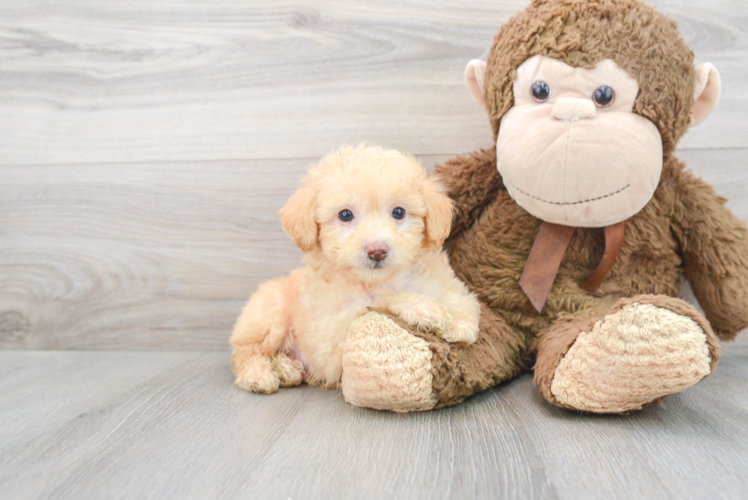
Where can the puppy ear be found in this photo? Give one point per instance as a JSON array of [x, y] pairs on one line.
[[439, 212], [297, 218]]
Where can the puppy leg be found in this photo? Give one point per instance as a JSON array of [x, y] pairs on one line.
[[464, 308], [419, 311], [259, 335]]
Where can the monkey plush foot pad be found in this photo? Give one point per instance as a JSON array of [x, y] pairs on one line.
[[632, 357], [386, 367]]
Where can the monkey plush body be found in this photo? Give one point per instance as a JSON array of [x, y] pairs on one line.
[[587, 100]]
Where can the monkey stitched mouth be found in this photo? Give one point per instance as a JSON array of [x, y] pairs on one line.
[[571, 202]]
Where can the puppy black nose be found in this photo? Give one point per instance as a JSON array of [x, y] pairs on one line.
[[377, 251]]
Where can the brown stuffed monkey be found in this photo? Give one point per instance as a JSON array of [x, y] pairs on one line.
[[576, 238]]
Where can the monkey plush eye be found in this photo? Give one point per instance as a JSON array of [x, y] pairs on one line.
[[345, 215], [398, 213], [603, 96], [540, 91]]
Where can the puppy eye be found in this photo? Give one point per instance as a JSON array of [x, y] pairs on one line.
[[345, 215], [604, 96], [540, 91], [398, 213]]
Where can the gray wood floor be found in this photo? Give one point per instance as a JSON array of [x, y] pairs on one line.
[[145, 148], [118, 424]]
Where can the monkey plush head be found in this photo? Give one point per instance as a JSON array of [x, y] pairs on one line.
[[585, 98]]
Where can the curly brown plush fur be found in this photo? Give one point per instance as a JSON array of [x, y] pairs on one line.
[[675, 233]]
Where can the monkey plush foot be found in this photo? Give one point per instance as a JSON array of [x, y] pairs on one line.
[[386, 367], [389, 365], [645, 349]]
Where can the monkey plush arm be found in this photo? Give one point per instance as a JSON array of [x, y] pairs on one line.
[[472, 182], [715, 254]]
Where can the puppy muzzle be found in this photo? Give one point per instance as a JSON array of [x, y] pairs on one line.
[[377, 253]]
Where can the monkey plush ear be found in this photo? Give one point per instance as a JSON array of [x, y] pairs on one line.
[[475, 74], [438, 212], [297, 218], [706, 90]]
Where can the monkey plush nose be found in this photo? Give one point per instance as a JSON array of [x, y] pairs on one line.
[[377, 251], [569, 109]]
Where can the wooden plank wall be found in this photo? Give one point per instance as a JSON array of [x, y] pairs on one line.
[[145, 147]]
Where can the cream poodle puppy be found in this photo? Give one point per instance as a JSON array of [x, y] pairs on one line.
[[371, 223]]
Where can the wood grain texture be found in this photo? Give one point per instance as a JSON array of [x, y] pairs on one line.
[[139, 255], [171, 425], [177, 247], [164, 255], [175, 80]]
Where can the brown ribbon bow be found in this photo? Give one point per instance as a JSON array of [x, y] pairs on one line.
[[547, 252]]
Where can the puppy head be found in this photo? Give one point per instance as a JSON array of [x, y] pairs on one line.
[[368, 211]]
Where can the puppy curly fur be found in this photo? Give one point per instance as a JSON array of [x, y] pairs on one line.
[[294, 328]]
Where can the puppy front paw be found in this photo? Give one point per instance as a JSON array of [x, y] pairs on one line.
[[420, 312], [461, 331]]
